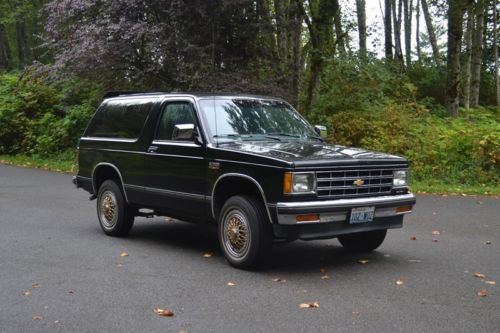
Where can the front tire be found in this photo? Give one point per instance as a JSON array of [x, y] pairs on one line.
[[363, 241], [115, 215], [245, 234]]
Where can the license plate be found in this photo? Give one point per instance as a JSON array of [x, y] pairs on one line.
[[362, 215]]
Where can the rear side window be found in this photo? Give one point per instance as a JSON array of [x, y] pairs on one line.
[[122, 119]]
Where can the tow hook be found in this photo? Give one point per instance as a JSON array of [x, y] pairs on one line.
[[93, 197]]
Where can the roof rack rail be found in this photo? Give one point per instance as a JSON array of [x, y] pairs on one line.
[[121, 93]]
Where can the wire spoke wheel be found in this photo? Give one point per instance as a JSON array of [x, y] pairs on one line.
[[108, 209], [236, 233]]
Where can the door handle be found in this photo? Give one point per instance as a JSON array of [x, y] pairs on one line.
[[152, 149]]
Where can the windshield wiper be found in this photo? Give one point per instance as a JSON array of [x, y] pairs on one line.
[[245, 136], [297, 136]]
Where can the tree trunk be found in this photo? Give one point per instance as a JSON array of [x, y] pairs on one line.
[[361, 13], [419, 50], [388, 30], [22, 44], [430, 30], [339, 34], [320, 32], [294, 21], [4, 49], [467, 62], [477, 54], [408, 11], [281, 40], [495, 51], [396, 17], [456, 10]]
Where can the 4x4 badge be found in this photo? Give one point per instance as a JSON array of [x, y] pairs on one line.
[[358, 182]]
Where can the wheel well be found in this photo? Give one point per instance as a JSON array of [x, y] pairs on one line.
[[231, 186], [103, 173]]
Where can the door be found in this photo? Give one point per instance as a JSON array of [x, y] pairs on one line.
[[175, 164]]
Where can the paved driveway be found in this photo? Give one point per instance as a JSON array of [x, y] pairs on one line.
[[60, 273]]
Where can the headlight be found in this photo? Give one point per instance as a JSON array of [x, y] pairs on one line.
[[296, 183], [400, 178]]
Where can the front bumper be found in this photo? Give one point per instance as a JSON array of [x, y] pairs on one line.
[[333, 216]]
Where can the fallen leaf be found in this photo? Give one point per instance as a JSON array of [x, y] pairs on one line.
[[37, 317], [490, 282], [482, 293], [35, 285], [71, 291], [324, 277], [322, 270], [399, 282], [124, 254], [434, 240], [231, 284], [208, 254], [309, 305], [27, 293], [479, 202], [363, 261], [463, 194], [56, 321], [164, 312], [487, 242], [119, 265], [277, 279], [479, 275], [436, 232], [413, 237]]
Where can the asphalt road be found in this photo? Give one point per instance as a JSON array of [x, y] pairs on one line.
[[60, 273]]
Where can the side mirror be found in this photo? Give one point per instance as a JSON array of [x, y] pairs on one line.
[[187, 132], [183, 132], [321, 131]]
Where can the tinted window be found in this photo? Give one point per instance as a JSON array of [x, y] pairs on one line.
[[122, 119], [174, 114]]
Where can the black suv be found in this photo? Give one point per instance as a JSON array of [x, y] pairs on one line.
[[251, 164]]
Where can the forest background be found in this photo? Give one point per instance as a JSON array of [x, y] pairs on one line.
[[421, 79]]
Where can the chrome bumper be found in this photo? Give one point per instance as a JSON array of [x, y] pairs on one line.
[[339, 210]]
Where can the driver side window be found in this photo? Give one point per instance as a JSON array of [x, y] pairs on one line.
[[175, 113]]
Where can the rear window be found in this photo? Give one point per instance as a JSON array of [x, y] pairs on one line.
[[122, 119]]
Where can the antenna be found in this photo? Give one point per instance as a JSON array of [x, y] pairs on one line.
[[216, 130]]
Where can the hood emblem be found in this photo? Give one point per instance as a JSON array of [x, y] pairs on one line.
[[358, 182]]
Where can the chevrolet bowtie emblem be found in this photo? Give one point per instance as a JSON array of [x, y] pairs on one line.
[[358, 182]]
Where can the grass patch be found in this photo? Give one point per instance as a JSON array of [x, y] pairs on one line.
[[65, 164], [59, 164], [436, 187]]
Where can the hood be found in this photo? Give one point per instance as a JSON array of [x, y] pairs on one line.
[[310, 152]]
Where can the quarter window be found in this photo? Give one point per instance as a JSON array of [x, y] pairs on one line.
[[176, 113], [123, 119]]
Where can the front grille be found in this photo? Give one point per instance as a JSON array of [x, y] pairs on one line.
[[340, 183]]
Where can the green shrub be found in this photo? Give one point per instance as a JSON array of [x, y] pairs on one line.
[[37, 118], [463, 150]]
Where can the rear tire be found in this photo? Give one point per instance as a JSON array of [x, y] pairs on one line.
[[115, 215], [363, 241], [244, 230]]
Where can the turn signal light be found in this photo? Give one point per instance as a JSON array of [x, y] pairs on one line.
[[307, 218], [403, 209], [287, 183]]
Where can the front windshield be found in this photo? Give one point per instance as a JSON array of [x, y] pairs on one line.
[[254, 119]]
